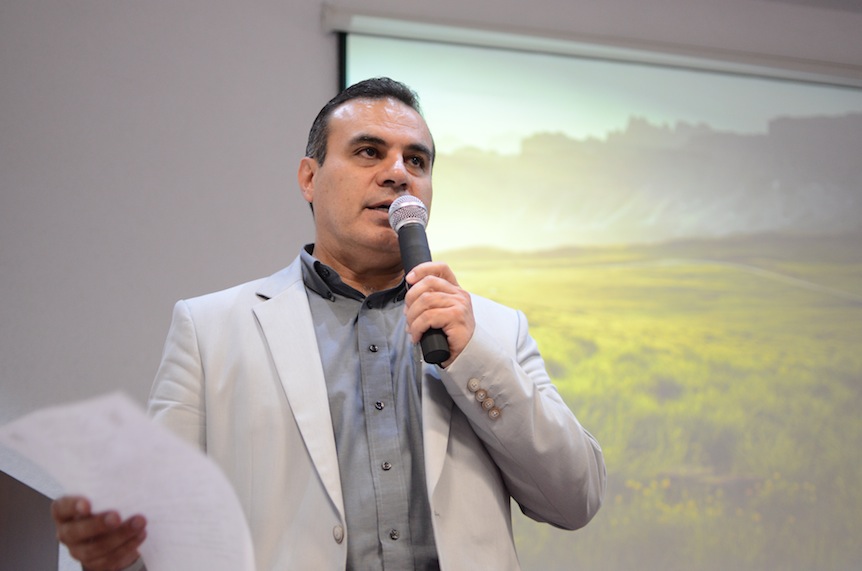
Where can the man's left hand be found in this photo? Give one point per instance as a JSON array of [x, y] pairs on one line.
[[435, 300]]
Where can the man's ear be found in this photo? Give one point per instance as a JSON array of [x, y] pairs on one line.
[[305, 177]]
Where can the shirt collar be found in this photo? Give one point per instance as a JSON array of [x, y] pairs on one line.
[[325, 282]]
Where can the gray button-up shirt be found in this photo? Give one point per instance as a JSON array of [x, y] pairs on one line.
[[373, 373]]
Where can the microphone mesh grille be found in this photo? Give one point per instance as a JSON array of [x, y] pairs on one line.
[[407, 209]]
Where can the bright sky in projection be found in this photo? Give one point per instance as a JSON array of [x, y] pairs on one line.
[[491, 99]]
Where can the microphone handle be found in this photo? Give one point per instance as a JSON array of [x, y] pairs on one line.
[[413, 244]]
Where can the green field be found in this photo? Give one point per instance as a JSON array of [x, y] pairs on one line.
[[724, 382]]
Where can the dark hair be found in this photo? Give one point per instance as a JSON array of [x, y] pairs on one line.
[[376, 88]]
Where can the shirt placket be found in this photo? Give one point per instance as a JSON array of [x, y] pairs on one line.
[[381, 424]]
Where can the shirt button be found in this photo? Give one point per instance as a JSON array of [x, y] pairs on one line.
[[386, 466], [473, 385], [394, 535], [379, 405], [372, 348], [338, 534], [369, 305], [494, 413], [488, 403], [481, 395]]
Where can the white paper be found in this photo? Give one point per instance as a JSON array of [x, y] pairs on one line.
[[108, 450]]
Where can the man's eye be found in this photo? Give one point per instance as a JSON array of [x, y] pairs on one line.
[[417, 162], [369, 152]]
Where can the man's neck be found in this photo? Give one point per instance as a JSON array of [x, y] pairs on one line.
[[366, 279], [368, 287]]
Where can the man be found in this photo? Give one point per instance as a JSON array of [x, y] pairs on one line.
[[345, 449]]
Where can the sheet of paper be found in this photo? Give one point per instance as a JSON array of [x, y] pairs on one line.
[[108, 450]]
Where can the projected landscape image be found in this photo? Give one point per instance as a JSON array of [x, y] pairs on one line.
[[695, 286], [722, 373]]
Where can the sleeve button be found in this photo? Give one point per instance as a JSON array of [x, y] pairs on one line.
[[488, 403], [473, 385], [481, 395], [494, 413]]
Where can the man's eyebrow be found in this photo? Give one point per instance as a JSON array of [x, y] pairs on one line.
[[361, 139]]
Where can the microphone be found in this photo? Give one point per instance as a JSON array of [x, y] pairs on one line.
[[408, 217]]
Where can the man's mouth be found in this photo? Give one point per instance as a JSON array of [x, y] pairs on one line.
[[383, 207]]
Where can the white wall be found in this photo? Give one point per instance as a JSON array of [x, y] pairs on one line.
[[148, 152]]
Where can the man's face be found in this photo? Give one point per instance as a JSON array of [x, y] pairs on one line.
[[377, 150]]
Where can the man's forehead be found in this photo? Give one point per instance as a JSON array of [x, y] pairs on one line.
[[364, 113]]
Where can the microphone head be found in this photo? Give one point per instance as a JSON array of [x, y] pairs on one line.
[[407, 209]]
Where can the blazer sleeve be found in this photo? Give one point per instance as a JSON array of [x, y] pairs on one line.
[[550, 464], [177, 396]]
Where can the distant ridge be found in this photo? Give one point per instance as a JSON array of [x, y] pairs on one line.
[[836, 248], [656, 183]]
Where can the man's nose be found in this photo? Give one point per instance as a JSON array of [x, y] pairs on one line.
[[394, 174]]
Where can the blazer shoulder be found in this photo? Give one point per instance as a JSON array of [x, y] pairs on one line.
[[247, 294], [489, 310]]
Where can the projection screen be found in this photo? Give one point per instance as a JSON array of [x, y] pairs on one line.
[[687, 246]]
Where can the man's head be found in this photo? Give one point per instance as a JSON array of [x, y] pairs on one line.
[[377, 88], [377, 148]]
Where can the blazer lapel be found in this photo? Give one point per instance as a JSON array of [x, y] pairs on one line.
[[436, 416], [285, 319]]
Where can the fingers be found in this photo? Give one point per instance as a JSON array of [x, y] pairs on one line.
[[113, 551], [437, 269], [69, 507], [435, 300], [110, 544], [100, 541], [432, 303]]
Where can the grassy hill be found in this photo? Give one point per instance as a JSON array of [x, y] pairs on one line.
[[723, 379]]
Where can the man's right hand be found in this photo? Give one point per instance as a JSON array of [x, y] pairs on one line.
[[100, 541]]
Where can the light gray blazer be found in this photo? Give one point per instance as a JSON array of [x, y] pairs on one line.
[[241, 378]]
